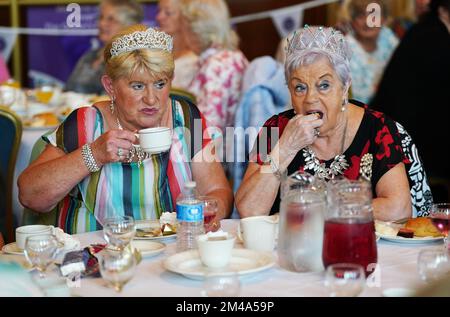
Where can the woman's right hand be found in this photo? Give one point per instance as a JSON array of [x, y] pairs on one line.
[[299, 133], [106, 147]]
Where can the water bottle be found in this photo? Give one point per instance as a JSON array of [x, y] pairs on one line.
[[190, 218]]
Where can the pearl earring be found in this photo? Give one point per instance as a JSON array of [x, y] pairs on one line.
[[344, 103]]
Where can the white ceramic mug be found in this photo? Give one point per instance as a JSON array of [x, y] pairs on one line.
[[155, 140], [215, 250], [259, 232], [22, 233]]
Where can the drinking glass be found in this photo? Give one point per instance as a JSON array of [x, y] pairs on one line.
[[440, 216], [119, 231], [345, 279], [216, 284], [8, 95], [433, 264], [117, 267], [40, 251], [210, 209]]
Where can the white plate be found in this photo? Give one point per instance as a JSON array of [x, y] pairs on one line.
[[12, 248], [148, 248], [409, 240], [243, 262]]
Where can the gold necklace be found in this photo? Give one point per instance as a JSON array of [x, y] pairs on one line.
[[134, 151]]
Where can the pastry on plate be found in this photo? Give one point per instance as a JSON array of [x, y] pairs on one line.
[[422, 227]]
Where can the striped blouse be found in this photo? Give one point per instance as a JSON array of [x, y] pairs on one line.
[[125, 188]]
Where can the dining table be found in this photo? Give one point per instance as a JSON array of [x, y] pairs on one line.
[[396, 269]]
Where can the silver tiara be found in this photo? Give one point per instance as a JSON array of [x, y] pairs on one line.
[[320, 38], [149, 38]]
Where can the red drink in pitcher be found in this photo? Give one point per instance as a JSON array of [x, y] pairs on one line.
[[350, 240]]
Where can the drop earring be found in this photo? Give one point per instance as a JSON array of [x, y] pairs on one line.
[[111, 105]]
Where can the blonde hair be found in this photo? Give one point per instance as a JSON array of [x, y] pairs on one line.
[[350, 8], [157, 62], [210, 21], [128, 11]]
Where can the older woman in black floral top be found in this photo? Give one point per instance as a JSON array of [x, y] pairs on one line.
[[325, 134]]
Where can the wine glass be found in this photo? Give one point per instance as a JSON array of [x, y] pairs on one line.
[[40, 251], [217, 284], [440, 216], [119, 231], [117, 267], [345, 279], [210, 209], [433, 264]]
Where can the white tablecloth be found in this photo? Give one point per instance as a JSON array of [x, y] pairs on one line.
[[29, 138], [397, 269]]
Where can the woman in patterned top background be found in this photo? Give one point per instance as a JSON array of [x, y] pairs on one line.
[[325, 134], [217, 85], [115, 180]]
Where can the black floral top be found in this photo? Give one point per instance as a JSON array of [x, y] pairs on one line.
[[377, 135]]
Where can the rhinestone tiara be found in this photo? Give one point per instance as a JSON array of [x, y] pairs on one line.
[[321, 38], [149, 38]]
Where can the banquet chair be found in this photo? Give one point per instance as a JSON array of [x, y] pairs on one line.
[[183, 94], [11, 135]]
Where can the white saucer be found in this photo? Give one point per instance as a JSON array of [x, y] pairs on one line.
[[11, 248], [242, 262], [398, 292], [148, 248]]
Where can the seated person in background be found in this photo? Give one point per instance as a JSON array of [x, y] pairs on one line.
[[217, 85], [325, 134], [371, 46], [169, 19], [90, 169], [414, 10], [413, 89], [113, 16], [4, 73]]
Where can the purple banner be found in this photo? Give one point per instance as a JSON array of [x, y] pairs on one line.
[[52, 58]]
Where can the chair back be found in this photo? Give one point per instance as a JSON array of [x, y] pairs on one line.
[[421, 197], [11, 135], [183, 94]]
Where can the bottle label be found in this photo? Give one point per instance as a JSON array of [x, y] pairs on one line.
[[190, 213]]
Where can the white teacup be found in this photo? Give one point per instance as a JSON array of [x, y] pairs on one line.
[[155, 140], [259, 232], [22, 233], [215, 248]]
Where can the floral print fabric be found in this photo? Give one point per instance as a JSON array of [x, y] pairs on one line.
[[366, 68], [217, 85], [377, 135]]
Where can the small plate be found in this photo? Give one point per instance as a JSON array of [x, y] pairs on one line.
[[414, 240], [242, 262], [11, 248], [148, 248]]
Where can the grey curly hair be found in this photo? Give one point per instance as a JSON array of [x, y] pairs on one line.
[[309, 44]]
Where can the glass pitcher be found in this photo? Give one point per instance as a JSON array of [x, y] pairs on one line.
[[349, 234], [301, 223]]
